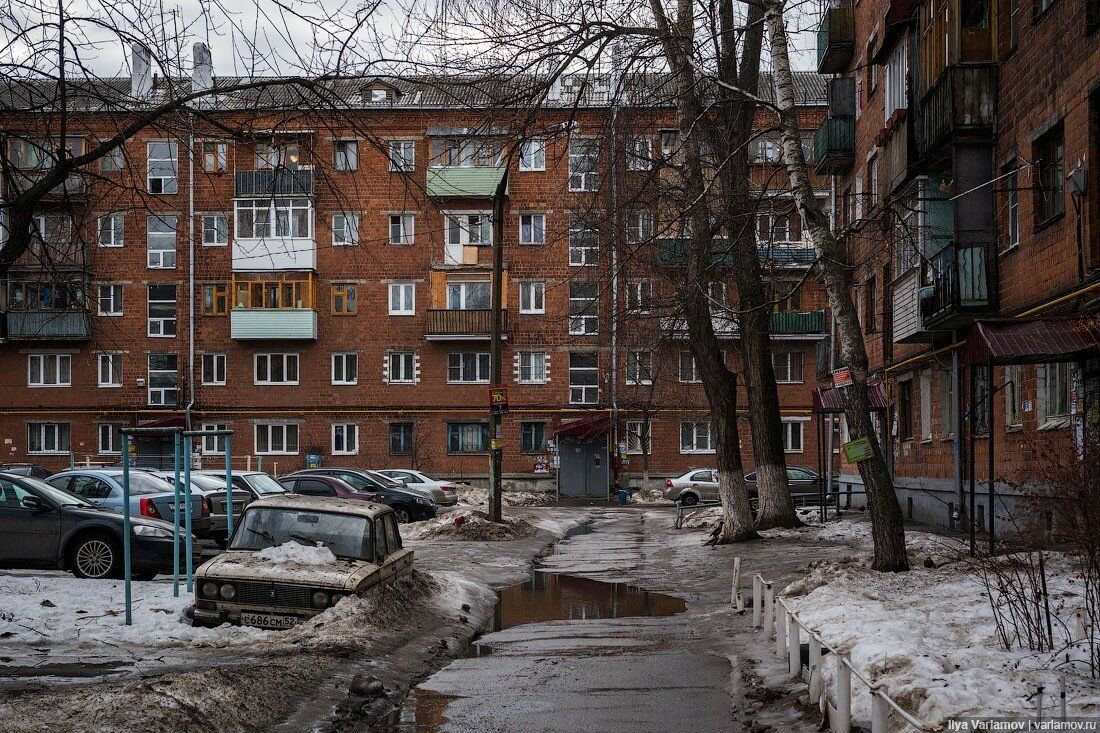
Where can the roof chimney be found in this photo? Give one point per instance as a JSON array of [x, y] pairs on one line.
[[141, 72], [202, 70]]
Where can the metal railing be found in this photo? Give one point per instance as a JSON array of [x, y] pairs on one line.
[[959, 282], [281, 182]]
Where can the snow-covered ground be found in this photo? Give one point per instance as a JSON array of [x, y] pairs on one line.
[[475, 496], [469, 525]]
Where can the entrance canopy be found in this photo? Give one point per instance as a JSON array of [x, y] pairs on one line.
[[586, 427], [1033, 340], [828, 400]]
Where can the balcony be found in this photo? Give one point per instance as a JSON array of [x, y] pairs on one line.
[[836, 40], [72, 188], [48, 325], [274, 253], [462, 325], [280, 182], [898, 154], [283, 324], [824, 357], [960, 287], [786, 326], [464, 181], [793, 324], [907, 321], [962, 103], [834, 145]]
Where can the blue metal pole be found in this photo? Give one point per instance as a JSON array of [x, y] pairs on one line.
[[176, 450], [126, 525], [228, 489], [187, 507]]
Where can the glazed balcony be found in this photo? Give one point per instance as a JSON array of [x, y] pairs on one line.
[[452, 324], [72, 188], [960, 287], [836, 40], [834, 145], [280, 309]]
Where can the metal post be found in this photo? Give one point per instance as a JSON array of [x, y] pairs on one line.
[[72, 460], [757, 599], [228, 488], [780, 631], [126, 527], [843, 695], [495, 345], [177, 448], [815, 653], [992, 489], [187, 508], [794, 646], [879, 711], [972, 390], [769, 610]]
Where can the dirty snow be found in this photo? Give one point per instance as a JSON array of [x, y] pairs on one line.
[[295, 553], [476, 496], [650, 495], [469, 525]]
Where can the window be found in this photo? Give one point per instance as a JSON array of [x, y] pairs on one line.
[[947, 404], [532, 437], [48, 437], [670, 143], [215, 156], [532, 367], [1048, 152], [688, 372], [162, 311], [584, 244], [532, 297], [773, 227], [1053, 384], [1013, 395], [402, 299], [345, 155], [532, 155], [277, 439], [584, 382], [897, 67], [584, 308], [696, 436], [870, 305], [274, 217], [468, 295], [284, 155], [792, 436], [639, 367], [926, 404], [532, 228], [161, 241], [215, 230], [53, 233], [716, 291], [402, 367], [110, 369], [639, 226], [345, 229], [639, 296], [215, 299], [402, 155], [638, 439], [110, 300], [639, 153], [345, 368], [163, 160], [49, 370], [213, 369], [343, 299], [905, 410], [469, 229], [402, 228], [1013, 205], [584, 160], [466, 152], [276, 369], [468, 366], [467, 437], [401, 438], [787, 296], [110, 439], [112, 229], [112, 162], [345, 439], [872, 182], [787, 364], [767, 149], [163, 379], [979, 411], [213, 445]]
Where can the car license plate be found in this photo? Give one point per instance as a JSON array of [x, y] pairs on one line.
[[268, 621]]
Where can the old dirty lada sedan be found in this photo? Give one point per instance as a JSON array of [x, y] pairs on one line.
[[291, 557]]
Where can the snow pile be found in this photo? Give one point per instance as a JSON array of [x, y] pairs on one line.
[[649, 495], [705, 518], [295, 553], [468, 525], [475, 496]]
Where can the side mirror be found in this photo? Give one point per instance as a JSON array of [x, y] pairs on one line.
[[35, 503]]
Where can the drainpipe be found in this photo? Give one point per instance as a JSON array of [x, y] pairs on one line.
[[956, 445], [616, 218], [190, 272]]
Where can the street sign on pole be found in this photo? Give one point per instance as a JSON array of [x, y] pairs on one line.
[[842, 377], [498, 400], [858, 450]]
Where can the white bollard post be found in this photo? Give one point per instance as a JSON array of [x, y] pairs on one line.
[[815, 652], [757, 599], [735, 591], [780, 631], [794, 646], [879, 710], [843, 695], [769, 611]]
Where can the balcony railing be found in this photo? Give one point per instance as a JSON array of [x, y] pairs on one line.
[[48, 325], [796, 323], [962, 102], [824, 353], [275, 324], [73, 187], [459, 325], [834, 145], [281, 182], [960, 287], [726, 327], [836, 38]]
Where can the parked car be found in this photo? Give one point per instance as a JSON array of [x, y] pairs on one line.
[[408, 505], [444, 493], [702, 485], [257, 484], [42, 526], [325, 486], [802, 482], [212, 489], [258, 581], [150, 495], [26, 469]]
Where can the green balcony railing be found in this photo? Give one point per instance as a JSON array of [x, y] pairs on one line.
[[836, 38], [804, 322], [834, 145]]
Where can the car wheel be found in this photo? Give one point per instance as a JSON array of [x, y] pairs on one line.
[[689, 499], [96, 556], [402, 513]]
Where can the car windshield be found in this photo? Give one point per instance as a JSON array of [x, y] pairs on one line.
[[386, 480], [58, 496], [144, 483], [347, 535], [264, 484], [207, 483], [359, 483]]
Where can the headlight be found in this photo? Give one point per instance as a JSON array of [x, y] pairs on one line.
[[145, 530], [227, 592], [337, 597], [319, 598], [210, 590], [422, 500]]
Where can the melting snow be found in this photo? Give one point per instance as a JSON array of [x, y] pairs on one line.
[[295, 553]]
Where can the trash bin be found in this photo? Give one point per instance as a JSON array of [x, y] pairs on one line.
[[624, 496]]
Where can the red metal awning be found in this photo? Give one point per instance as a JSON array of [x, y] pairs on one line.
[[173, 421], [586, 427], [1033, 340], [828, 400]]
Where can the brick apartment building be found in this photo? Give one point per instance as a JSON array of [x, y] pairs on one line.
[[964, 138], [319, 283]]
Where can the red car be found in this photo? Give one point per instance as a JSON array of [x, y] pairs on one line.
[[318, 485]]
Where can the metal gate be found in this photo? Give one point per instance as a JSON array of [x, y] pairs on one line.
[[584, 467]]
